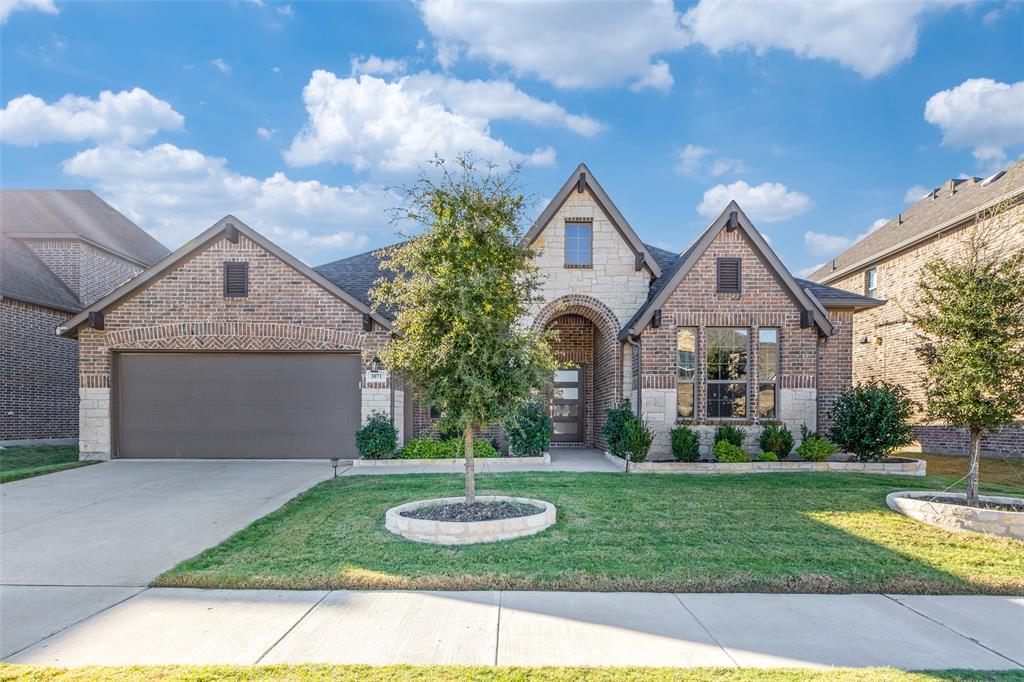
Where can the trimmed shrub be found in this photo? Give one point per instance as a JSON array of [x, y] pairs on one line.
[[481, 448], [614, 423], [685, 444], [730, 434], [777, 440], [816, 449], [428, 448], [724, 451], [768, 457], [528, 431], [377, 438], [871, 420], [636, 439]]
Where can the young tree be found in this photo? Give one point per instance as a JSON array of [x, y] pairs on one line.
[[970, 317], [461, 288]]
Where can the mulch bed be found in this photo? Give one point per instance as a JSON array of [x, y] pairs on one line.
[[993, 506], [477, 511]]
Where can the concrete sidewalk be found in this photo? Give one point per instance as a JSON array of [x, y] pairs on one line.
[[165, 626]]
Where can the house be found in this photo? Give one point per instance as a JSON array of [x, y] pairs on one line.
[[60, 251], [887, 263], [231, 347]]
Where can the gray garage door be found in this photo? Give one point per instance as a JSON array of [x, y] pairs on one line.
[[237, 405]]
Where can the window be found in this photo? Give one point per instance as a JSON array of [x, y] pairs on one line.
[[578, 240], [728, 275], [727, 372], [686, 342], [435, 413], [871, 282], [236, 279], [768, 359]]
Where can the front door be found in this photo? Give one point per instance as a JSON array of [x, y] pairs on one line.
[[567, 405]]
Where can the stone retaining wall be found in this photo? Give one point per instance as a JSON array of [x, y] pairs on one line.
[[514, 461], [469, 532], [914, 467], [918, 505]]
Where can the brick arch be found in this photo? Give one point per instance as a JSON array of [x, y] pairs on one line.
[[234, 336], [579, 304]]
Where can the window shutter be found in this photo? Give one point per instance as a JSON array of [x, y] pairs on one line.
[[236, 279], [728, 275]]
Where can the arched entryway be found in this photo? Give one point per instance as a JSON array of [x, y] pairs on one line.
[[589, 380]]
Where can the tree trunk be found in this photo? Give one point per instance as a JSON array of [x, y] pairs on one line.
[[470, 467], [973, 467]]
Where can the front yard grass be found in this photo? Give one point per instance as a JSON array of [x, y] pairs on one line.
[[796, 532], [993, 471], [25, 461], [401, 673]]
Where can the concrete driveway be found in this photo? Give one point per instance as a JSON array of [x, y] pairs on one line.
[[77, 542]]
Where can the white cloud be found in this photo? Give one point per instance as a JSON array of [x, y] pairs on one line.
[[572, 46], [878, 223], [221, 65], [725, 165], [266, 133], [658, 78], [804, 273], [129, 116], [870, 38], [371, 123], [376, 66], [286, 10], [821, 244], [915, 194], [176, 193], [691, 158], [768, 202], [7, 7], [980, 113], [276, 70]]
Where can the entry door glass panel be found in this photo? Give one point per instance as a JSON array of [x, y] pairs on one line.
[[567, 405]]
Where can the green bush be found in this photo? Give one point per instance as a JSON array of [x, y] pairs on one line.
[[528, 431], [768, 457], [871, 420], [481, 448], [730, 434], [377, 438], [777, 440], [724, 451], [614, 423], [428, 448], [685, 444], [636, 439], [815, 448]]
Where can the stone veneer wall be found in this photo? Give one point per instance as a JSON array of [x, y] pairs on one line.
[[39, 389], [186, 310], [762, 303], [893, 359]]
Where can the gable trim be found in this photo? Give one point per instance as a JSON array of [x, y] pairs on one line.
[[218, 229], [782, 274], [582, 178]]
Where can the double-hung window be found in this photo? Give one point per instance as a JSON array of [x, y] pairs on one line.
[[686, 341], [768, 358], [727, 352], [871, 283], [578, 244]]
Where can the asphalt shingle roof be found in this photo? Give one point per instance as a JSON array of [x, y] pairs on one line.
[[23, 277]]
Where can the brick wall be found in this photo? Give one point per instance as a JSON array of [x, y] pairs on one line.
[[762, 303], [835, 365], [186, 310], [39, 390], [89, 272], [889, 353]]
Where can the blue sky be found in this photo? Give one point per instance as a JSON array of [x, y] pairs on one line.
[[819, 118]]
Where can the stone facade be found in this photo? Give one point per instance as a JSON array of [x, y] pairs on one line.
[[185, 309], [883, 339]]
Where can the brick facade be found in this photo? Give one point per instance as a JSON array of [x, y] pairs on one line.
[[89, 272], [884, 340], [185, 309]]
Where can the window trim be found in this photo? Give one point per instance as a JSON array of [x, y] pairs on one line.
[[868, 289], [692, 383], [778, 372], [709, 382], [590, 244], [718, 276], [245, 279]]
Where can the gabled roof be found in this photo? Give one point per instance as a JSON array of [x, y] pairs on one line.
[[23, 277], [955, 202], [357, 274], [219, 228], [582, 178], [668, 283], [831, 297], [76, 214]]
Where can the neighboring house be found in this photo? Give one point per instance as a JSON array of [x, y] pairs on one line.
[[888, 262], [231, 347], [60, 251]]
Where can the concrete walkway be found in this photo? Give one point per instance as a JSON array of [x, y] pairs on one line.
[[562, 459], [165, 626]]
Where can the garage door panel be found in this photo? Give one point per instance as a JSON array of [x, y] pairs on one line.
[[254, 405]]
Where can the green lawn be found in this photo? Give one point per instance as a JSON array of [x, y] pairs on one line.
[[24, 461], [363, 673], [806, 532], [1009, 472]]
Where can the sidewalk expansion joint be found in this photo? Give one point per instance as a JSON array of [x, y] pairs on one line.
[[704, 627], [293, 626]]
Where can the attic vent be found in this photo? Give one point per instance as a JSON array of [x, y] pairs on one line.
[[992, 178], [728, 275], [236, 279]]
